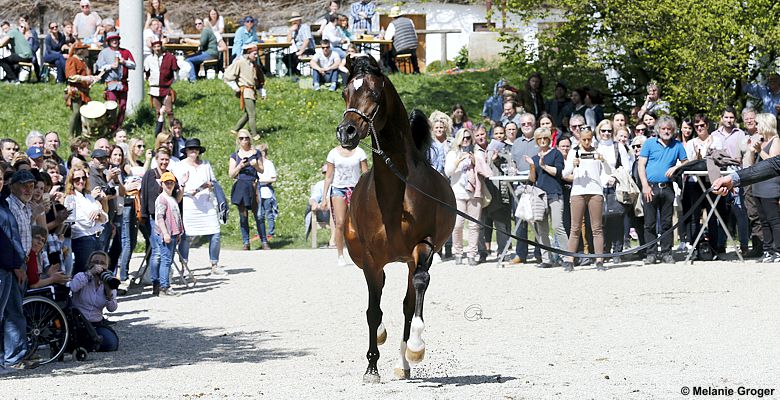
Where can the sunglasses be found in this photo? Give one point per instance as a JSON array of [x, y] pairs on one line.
[[243, 138], [53, 27], [575, 126], [640, 130], [700, 125], [637, 146], [80, 179], [467, 137], [606, 130]]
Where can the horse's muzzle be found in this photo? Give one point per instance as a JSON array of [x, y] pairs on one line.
[[348, 135]]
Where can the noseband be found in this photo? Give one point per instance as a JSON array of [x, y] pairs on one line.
[[371, 129]]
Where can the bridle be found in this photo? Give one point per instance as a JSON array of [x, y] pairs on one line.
[[371, 130]]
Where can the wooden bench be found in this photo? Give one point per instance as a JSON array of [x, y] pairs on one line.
[[210, 64], [315, 225], [304, 63], [404, 63]]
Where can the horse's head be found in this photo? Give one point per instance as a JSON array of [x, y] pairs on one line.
[[364, 96]]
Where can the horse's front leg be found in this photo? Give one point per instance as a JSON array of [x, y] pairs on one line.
[[415, 346], [375, 278], [402, 369]]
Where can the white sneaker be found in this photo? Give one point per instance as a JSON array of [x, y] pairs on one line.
[[218, 271], [342, 261], [436, 259], [169, 292]]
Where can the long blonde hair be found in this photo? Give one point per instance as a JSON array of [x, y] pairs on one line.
[[69, 181]]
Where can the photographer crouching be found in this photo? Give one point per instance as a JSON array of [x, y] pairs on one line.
[[93, 290]]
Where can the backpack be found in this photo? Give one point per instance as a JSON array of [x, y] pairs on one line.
[[704, 251]]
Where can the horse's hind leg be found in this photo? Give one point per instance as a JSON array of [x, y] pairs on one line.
[[375, 278], [402, 369], [415, 346]]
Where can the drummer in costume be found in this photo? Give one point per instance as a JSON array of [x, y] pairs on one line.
[[160, 68], [79, 81], [113, 62], [245, 76]]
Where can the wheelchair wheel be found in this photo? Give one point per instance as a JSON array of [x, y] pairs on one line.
[[47, 328], [80, 354]]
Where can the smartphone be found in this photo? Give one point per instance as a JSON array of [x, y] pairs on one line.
[[469, 149], [587, 156], [47, 197]]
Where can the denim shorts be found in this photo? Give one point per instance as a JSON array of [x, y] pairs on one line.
[[340, 192]]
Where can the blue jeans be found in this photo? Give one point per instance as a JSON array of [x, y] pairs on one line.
[[110, 339], [82, 249], [243, 222], [59, 60], [167, 250], [214, 242], [14, 323], [328, 77], [266, 212], [154, 256], [195, 62], [67, 259], [129, 236]]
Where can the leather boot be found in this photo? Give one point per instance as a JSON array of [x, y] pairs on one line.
[[155, 289], [757, 250]]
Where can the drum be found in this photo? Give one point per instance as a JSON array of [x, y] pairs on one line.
[[111, 111], [93, 119]]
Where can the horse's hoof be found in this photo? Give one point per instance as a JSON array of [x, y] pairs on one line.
[[381, 335], [401, 373], [371, 378], [415, 357]]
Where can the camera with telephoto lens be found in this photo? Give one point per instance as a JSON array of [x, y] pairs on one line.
[[109, 280]]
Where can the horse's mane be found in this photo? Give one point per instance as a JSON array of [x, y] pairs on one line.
[[421, 132], [363, 66]]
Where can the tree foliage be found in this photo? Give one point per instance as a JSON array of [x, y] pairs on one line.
[[699, 51]]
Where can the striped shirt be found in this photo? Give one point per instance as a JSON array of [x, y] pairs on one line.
[[23, 215], [359, 22]]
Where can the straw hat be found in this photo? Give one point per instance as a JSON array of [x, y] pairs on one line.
[[395, 12], [295, 17]]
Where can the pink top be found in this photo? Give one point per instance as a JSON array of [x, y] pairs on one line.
[[167, 210]]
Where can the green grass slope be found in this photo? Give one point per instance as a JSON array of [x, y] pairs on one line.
[[298, 125]]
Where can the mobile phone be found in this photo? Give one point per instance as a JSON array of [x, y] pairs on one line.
[[469, 149], [587, 156], [46, 197], [246, 160]]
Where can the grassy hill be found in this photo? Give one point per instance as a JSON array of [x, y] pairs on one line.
[[299, 127]]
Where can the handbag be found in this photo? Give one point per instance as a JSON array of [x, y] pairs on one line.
[[487, 197], [612, 207], [138, 210]]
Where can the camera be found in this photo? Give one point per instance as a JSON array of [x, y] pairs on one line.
[[469, 149], [109, 280], [587, 156], [246, 160]]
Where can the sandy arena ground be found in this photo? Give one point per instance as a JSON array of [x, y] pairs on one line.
[[291, 324]]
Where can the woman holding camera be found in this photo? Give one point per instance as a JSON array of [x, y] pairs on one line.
[[616, 156], [87, 216], [90, 296], [245, 163], [463, 170], [587, 168]]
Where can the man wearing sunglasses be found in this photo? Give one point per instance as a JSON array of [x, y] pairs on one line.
[[85, 23]]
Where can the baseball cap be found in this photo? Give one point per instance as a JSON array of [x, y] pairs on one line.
[[34, 152], [23, 176], [167, 177]]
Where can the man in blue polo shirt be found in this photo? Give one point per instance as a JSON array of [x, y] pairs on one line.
[[657, 162]]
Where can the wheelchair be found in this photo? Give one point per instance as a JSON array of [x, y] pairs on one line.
[[56, 327]]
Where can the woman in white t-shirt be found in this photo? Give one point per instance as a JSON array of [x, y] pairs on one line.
[[268, 208], [344, 169]]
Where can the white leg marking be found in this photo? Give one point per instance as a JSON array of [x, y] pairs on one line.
[[415, 347], [381, 334]]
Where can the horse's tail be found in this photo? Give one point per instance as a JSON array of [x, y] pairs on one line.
[[421, 132]]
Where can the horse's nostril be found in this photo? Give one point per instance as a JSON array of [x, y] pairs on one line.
[[350, 130]]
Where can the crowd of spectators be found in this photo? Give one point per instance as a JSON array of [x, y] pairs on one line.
[[606, 179]]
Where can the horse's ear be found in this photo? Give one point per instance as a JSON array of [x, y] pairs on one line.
[[372, 61], [350, 62]]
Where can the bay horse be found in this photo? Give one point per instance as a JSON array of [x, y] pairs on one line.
[[389, 221]]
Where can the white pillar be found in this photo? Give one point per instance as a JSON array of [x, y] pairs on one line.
[[131, 18]]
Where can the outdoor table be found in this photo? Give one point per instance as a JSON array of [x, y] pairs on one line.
[[186, 48], [371, 44], [269, 48], [512, 179], [697, 175]]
